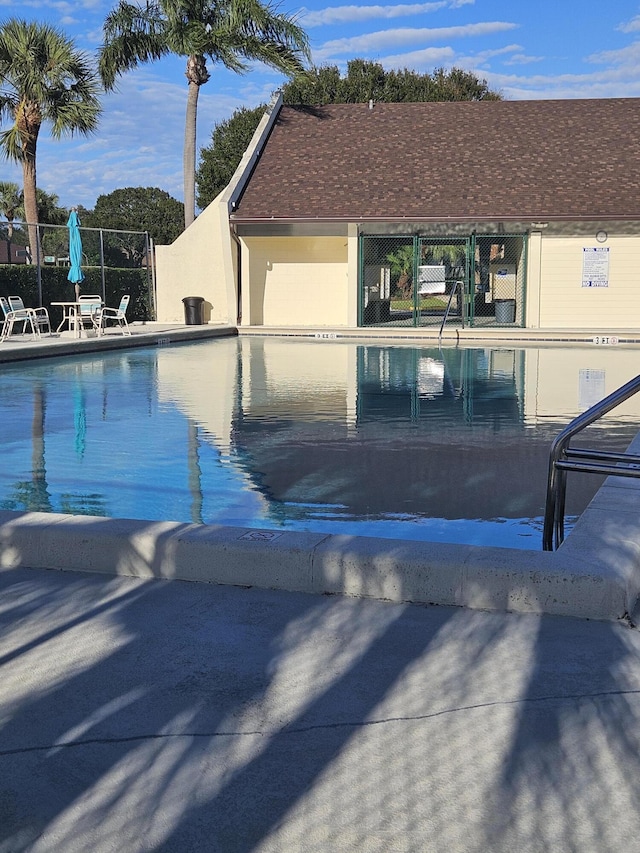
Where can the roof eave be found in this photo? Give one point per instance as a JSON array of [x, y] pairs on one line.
[[534, 218]]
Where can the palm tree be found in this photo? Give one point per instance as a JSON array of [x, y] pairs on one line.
[[232, 32], [402, 261], [44, 79], [11, 208]]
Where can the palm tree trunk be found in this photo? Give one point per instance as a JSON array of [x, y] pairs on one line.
[[189, 154], [30, 201], [197, 75]]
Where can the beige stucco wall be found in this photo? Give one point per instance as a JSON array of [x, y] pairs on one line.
[[532, 300], [295, 281], [564, 303], [201, 262]]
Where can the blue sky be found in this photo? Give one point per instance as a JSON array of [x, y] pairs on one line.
[[544, 49]]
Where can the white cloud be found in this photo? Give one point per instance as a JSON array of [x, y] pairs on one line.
[[522, 59], [357, 14], [484, 56], [61, 7], [632, 26], [607, 83], [385, 39], [624, 56], [426, 60], [419, 60]]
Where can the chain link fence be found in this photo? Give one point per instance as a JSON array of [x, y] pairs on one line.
[[34, 264], [415, 280]]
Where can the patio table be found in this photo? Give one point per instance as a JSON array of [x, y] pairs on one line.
[[71, 316]]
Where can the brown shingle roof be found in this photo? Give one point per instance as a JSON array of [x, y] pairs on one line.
[[568, 159]]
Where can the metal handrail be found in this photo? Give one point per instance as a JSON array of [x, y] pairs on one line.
[[562, 459], [456, 284]]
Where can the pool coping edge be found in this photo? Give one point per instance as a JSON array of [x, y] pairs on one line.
[[595, 574]]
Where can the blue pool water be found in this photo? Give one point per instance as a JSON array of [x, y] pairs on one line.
[[395, 441]]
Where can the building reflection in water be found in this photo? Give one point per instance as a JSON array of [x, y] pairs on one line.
[[438, 433]]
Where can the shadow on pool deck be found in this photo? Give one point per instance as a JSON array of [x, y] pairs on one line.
[[158, 716]]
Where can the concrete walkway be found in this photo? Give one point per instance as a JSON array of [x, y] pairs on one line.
[[24, 347], [148, 715]]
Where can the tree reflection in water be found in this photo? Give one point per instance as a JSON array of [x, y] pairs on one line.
[[33, 495]]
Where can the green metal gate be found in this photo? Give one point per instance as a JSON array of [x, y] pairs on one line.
[[442, 277], [409, 280]]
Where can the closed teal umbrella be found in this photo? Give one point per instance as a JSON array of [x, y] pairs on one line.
[[75, 251]]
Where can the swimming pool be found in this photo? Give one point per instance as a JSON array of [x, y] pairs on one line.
[[396, 441]]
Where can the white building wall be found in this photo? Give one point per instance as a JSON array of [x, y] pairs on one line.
[[201, 262], [565, 303]]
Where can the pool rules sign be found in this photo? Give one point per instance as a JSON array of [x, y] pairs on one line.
[[595, 266]]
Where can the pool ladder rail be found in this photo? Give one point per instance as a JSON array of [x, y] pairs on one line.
[[563, 458], [457, 285]]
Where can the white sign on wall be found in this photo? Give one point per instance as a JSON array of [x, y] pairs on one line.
[[595, 266]]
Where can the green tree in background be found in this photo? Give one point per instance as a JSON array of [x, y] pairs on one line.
[[363, 81], [49, 210], [219, 161], [54, 241], [135, 209], [11, 207], [11, 201], [231, 32], [43, 79], [401, 263], [138, 209]]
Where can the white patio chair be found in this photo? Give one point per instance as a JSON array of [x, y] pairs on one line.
[[13, 315], [90, 307], [39, 316], [118, 315]]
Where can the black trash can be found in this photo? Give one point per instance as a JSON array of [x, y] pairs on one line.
[[193, 310]]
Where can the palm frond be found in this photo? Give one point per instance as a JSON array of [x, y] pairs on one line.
[[44, 78], [11, 144], [133, 35]]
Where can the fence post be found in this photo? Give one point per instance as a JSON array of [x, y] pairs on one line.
[[104, 289], [151, 277], [38, 267]]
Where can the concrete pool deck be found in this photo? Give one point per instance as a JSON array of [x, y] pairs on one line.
[[595, 574], [142, 715]]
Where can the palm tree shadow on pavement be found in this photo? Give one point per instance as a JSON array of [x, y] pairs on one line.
[[571, 775], [171, 716], [141, 718]]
